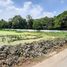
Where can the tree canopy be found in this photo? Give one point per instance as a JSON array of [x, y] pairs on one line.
[[17, 22]]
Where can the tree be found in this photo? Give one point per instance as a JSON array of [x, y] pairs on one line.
[[60, 20], [29, 22], [64, 23], [43, 23], [37, 25], [3, 24], [18, 22]]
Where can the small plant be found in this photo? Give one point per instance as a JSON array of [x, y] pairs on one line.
[[3, 39]]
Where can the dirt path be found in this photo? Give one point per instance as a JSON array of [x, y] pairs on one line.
[[58, 60]]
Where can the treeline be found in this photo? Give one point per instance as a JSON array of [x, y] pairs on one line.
[[17, 22]]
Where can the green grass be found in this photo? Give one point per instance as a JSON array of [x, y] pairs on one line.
[[15, 37]]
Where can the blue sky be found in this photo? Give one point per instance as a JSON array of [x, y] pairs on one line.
[[36, 8]]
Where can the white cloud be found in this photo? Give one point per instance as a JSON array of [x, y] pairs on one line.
[[5, 3], [49, 14], [0, 11], [8, 10], [62, 1]]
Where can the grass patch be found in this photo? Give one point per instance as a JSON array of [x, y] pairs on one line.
[[10, 36]]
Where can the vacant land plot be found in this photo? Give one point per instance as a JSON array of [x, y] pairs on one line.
[[17, 54], [15, 37]]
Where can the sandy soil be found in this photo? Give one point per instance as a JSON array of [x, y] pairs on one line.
[[58, 60]]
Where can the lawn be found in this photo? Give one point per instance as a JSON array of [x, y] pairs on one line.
[[8, 37]]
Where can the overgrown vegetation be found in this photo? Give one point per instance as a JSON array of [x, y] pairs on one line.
[[8, 36], [17, 55], [17, 22]]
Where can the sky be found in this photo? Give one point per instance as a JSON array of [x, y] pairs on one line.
[[35, 8]]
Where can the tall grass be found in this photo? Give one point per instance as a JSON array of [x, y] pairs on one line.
[[12, 35]]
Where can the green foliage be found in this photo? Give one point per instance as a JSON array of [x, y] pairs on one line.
[[43, 23], [3, 24], [29, 22], [64, 23], [61, 20], [17, 22], [37, 25]]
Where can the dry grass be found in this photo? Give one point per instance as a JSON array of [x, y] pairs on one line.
[[15, 37]]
